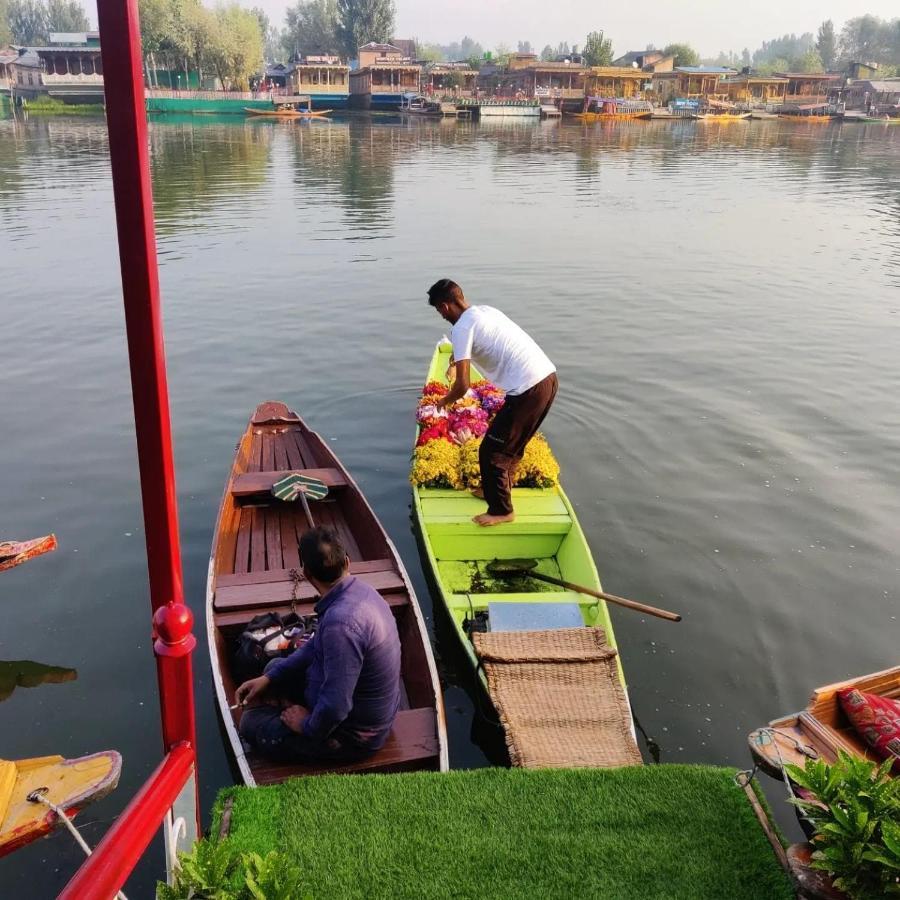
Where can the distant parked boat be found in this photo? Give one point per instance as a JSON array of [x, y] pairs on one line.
[[289, 108], [602, 109], [724, 116]]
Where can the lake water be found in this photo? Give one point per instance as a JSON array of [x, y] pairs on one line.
[[723, 304]]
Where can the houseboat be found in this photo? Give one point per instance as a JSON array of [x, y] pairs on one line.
[[384, 75], [324, 79]]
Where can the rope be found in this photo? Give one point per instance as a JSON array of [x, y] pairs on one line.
[[742, 779], [38, 795]]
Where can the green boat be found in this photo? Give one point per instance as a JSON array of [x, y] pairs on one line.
[[459, 551]]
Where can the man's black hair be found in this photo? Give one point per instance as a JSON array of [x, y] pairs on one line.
[[322, 554], [445, 291]]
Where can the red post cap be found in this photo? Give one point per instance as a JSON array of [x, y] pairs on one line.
[[172, 624]]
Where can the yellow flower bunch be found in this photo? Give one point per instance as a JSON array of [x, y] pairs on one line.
[[469, 469], [538, 467], [436, 464]]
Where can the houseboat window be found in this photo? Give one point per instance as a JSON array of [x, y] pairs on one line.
[[21, 79], [30, 78], [88, 66], [98, 66]]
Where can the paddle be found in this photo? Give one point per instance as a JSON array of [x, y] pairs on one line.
[[293, 486], [508, 568]]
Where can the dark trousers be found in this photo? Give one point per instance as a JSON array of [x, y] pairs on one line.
[[262, 728], [504, 444]]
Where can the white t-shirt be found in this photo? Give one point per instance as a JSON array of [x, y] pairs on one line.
[[501, 350]]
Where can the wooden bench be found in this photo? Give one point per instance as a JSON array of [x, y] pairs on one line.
[[252, 483], [412, 740], [235, 595]]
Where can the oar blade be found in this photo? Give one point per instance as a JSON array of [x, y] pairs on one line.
[[291, 486]]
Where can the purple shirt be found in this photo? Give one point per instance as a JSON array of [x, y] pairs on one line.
[[351, 664]]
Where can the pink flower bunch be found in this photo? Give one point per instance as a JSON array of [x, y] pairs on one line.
[[489, 396], [428, 414]]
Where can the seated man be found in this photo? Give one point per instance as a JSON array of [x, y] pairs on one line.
[[348, 674]]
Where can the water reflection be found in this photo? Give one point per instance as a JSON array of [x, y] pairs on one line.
[[25, 673]]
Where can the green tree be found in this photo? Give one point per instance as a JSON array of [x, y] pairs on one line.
[[66, 16], [362, 21], [867, 39], [28, 22], [685, 54], [311, 27], [199, 37], [525, 47], [826, 43], [598, 50], [5, 33], [502, 53], [236, 46], [745, 57], [548, 54], [431, 52], [811, 61]]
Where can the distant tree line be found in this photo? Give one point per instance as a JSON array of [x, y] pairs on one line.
[[185, 35], [29, 22], [337, 26]]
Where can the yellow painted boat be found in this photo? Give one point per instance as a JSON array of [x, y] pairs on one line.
[[69, 784], [610, 117], [724, 117], [288, 113]]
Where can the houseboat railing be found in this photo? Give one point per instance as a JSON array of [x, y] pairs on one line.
[[171, 791]]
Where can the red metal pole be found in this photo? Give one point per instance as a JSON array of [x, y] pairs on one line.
[[127, 125], [113, 859]]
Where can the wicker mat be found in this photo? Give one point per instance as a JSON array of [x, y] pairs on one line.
[[559, 698]]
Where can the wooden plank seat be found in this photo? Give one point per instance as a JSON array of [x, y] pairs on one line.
[[412, 740], [357, 567], [274, 593], [251, 483], [463, 525], [242, 616]]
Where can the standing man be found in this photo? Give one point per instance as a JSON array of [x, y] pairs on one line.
[[512, 360]]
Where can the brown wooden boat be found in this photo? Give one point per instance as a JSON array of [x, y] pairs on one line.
[[254, 549], [820, 730], [14, 553]]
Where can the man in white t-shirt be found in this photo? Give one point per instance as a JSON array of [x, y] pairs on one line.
[[508, 357]]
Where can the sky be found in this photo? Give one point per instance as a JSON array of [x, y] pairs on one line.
[[708, 25]]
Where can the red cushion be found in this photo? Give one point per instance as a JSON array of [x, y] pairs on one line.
[[876, 719]]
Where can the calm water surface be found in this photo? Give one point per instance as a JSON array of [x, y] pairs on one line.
[[723, 303]]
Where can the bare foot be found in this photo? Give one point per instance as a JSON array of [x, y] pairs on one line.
[[486, 519]]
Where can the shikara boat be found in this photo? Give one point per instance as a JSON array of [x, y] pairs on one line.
[[69, 784], [14, 553], [251, 570], [459, 551], [724, 117], [821, 730], [286, 111], [598, 109]]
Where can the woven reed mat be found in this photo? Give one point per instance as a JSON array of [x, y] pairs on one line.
[[559, 697]]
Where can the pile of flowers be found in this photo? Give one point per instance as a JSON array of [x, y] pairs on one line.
[[446, 453]]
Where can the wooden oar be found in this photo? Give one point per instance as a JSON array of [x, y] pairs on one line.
[[507, 568], [293, 486]]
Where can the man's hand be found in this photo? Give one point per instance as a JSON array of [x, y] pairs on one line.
[[294, 717], [251, 690]]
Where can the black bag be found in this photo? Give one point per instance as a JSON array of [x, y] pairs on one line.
[[267, 637]]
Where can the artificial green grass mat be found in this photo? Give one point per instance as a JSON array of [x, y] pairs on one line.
[[666, 831]]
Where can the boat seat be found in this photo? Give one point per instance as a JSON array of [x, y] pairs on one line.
[[251, 483], [274, 593], [438, 504], [463, 525], [412, 740]]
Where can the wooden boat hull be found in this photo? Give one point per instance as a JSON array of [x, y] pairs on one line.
[[724, 117], [546, 528], [14, 553], [255, 547], [287, 114], [611, 117], [820, 730], [71, 785]]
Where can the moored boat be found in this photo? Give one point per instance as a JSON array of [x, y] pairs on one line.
[[724, 116], [14, 553], [459, 551], [601, 109], [254, 569], [822, 730], [68, 784], [289, 109]]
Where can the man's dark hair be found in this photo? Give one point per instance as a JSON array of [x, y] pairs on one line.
[[445, 291], [322, 554]]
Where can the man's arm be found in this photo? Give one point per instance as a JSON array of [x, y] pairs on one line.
[[460, 385], [343, 650]]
